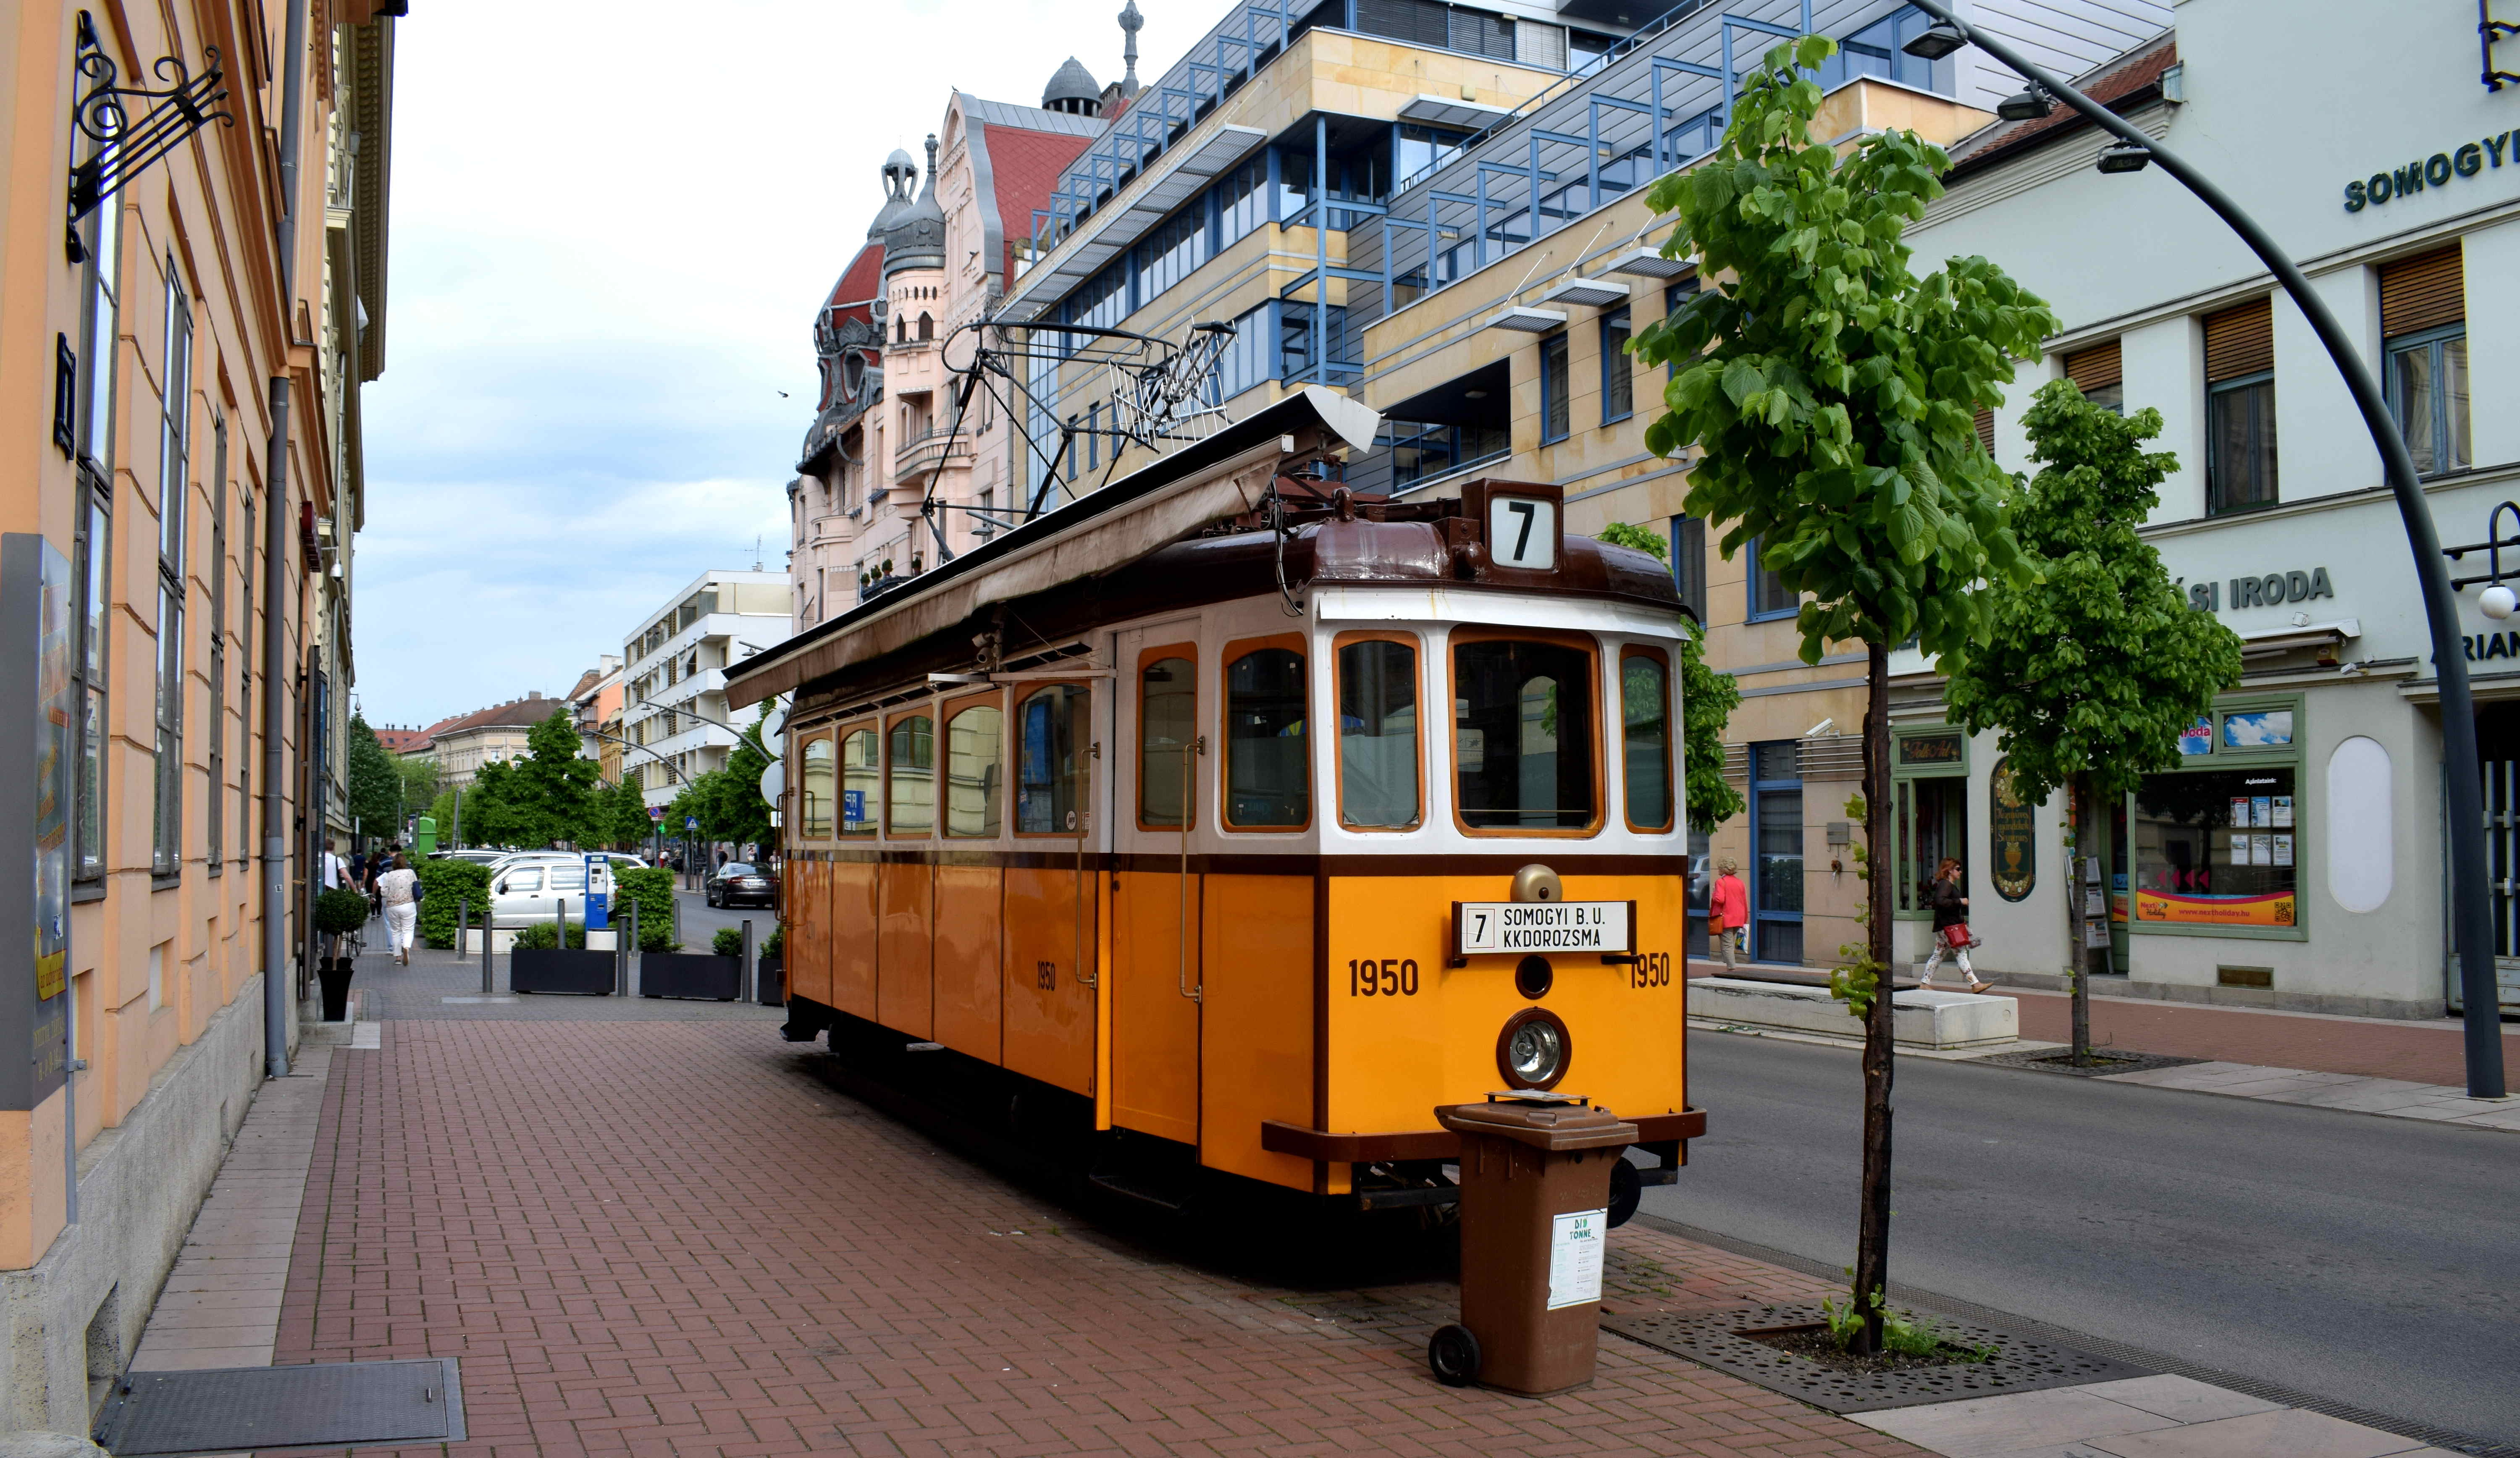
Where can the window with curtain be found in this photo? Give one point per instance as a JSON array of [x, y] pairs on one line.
[[1052, 735], [1555, 410], [860, 784], [1267, 779], [1618, 373], [974, 771], [2241, 409], [1523, 735], [1644, 739], [2423, 321], [1377, 734], [816, 773], [1167, 722], [909, 776]]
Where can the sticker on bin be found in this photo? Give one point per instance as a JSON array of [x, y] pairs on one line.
[[1575, 1244], [1513, 927]]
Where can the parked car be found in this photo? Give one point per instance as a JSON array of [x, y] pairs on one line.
[[740, 883], [486, 858], [522, 888]]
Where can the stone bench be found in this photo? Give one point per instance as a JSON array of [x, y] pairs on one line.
[[1918, 1018]]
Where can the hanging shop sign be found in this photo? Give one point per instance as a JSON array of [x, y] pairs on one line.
[[2012, 827], [2467, 160], [1933, 749], [2273, 589]]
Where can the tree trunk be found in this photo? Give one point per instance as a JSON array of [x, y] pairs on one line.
[[1872, 1237], [2079, 898]]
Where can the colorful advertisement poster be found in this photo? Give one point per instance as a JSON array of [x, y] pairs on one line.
[[2012, 825], [2240, 812], [2283, 812], [2258, 729], [2261, 811], [2283, 850], [2176, 908], [2197, 737], [2261, 849]]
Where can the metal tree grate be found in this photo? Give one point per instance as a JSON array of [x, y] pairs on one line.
[[1713, 1339], [236, 1409]]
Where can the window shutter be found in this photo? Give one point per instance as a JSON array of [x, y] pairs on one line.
[[2240, 342], [2095, 368], [1986, 430], [2423, 293]]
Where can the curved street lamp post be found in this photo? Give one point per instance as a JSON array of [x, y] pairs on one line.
[[2472, 917]]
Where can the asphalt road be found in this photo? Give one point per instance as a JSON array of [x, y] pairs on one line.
[[2370, 1260], [699, 920]]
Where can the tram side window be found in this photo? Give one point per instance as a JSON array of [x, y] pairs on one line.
[[1051, 742], [1523, 735], [1378, 685], [974, 771], [1167, 722], [1644, 706], [860, 786], [910, 807], [1268, 777], [814, 789]]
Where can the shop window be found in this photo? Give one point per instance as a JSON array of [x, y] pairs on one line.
[[859, 783], [2214, 848], [1618, 375], [1051, 748], [2240, 409], [815, 778], [1769, 595], [974, 771], [1555, 415], [1523, 735], [1268, 774], [1379, 779], [1932, 823], [1644, 711], [1167, 724]]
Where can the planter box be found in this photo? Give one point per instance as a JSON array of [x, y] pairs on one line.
[[684, 974], [1918, 1019], [772, 991], [588, 973]]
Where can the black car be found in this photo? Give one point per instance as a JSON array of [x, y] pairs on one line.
[[736, 884]]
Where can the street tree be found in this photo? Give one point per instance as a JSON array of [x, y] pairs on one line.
[[2089, 676], [1707, 699], [555, 783], [422, 779], [727, 801], [1833, 392], [621, 815], [375, 787]]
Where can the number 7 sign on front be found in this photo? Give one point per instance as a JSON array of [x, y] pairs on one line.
[[1522, 532]]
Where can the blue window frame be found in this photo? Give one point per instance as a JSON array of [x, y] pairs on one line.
[[1775, 851], [1674, 298], [2427, 389], [1553, 404], [1768, 598], [1688, 563], [1618, 372]]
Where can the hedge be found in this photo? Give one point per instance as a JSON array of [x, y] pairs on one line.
[[654, 890], [443, 883]]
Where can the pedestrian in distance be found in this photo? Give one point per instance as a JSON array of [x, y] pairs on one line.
[[332, 864], [1728, 911], [399, 887], [1951, 936]]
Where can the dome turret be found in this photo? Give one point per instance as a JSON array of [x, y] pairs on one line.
[[1074, 90], [900, 174], [916, 236]]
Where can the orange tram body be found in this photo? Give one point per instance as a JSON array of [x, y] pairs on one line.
[[1136, 802]]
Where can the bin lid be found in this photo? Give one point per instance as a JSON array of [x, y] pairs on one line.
[[1557, 1126]]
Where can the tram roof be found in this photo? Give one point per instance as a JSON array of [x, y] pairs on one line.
[[1140, 513]]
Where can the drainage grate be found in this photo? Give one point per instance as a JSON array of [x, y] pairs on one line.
[[330, 1404], [2107, 1061], [2020, 1364]]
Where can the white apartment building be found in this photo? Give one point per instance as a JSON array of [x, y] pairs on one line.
[[674, 672]]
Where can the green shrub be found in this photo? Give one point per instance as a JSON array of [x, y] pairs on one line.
[[444, 884], [544, 936], [729, 942], [339, 912], [776, 941], [654, 890]]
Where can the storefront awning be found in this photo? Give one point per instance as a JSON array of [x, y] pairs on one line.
[[2267, 642]]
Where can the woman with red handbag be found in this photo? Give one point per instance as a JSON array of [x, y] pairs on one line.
[[1950, 925]]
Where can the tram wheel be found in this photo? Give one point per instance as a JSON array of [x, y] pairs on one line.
[[1625, 1190], [1453, 1354]]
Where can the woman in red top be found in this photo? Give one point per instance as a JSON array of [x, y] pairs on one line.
[[1727, 909]]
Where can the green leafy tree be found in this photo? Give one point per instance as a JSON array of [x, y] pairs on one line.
[[556, 783], [1707, 699], [443, 809], [1834, 392], [375, 787], [621, 815], [727, 802], [422, 781], [2089, 676]]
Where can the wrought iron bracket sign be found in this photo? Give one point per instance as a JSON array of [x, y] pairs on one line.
[[118, 147]]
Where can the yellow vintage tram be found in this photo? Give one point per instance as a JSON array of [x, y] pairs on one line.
[[1258, 818]]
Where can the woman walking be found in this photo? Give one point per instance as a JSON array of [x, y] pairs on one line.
[[399, 887], [1727, 909], [1950, 926]]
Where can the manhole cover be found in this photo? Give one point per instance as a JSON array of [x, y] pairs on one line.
[[2104, 1062], [2020, 1364], [330, 1404]]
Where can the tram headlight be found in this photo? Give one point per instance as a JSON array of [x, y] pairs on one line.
[[1534, 1049]]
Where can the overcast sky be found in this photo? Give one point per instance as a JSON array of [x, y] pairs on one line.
[[611, 227]]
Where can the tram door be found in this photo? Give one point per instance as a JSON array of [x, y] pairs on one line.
[[1157, 884], [1050, 929]]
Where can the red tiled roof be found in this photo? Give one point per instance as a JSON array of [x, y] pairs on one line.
[[1026, 166], [523, 712], [402, 741], [2109, 83]]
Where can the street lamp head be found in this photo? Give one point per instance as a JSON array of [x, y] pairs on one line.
[[2124, 157], [2025, 106], [1935, 41], [2497, 602]]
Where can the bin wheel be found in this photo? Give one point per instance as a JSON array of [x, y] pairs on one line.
[[1626, 1189], [1453, 1354]]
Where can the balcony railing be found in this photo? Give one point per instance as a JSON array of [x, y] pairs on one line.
[[919, 457]]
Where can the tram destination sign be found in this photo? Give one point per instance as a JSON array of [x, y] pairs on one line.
[[1514, 928]]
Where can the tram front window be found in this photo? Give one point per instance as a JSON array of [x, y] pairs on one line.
[[814, 792], [974, 782], [1049, 768], [1378, 685], [1267, 783], [860, 786], [1644, 705], [911, 807], [1167, 720], [1523, 735]]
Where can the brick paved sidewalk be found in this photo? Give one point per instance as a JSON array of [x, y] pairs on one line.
[[670, 1238]]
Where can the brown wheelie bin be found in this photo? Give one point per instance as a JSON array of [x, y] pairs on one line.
[[1535, 1224]]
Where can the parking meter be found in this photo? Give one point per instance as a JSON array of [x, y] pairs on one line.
[[599, 893]]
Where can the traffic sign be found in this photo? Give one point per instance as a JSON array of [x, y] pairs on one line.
[[691, 822], [656, 812]]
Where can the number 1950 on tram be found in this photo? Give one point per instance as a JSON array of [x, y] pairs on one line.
[[1242, 821]]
